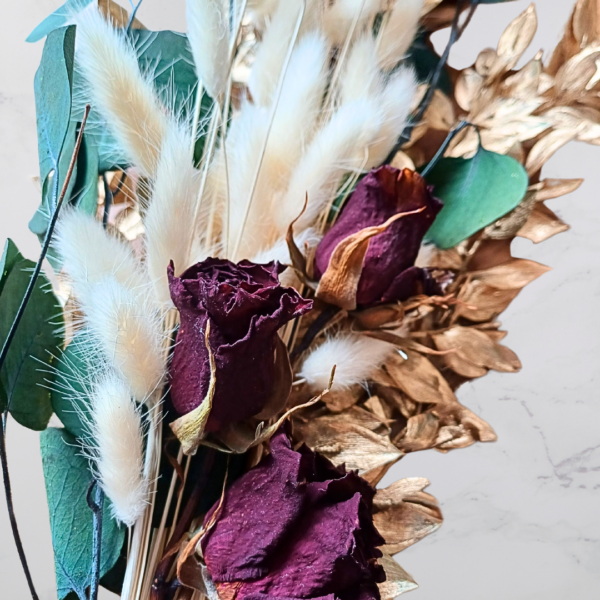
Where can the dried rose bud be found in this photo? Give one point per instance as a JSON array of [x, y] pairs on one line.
[[246, 306], [295, 527], [383, 193]]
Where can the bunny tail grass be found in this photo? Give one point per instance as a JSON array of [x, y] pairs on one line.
[[124, 97], [357, 357], [169, 218], [208, 32], [398, 32], [118, 455]]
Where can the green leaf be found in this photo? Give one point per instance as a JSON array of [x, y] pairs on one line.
[[58, 18], [56, 132], [70, 391], [85, 190], [10, 257], [68, 479], [27, 370], [424, 60], [476, 192]]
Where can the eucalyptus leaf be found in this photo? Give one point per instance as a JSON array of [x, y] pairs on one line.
[[70, 392], [423, 58], [68, 479], [59, 18], [56, 132], [10, 257], [85, 190], [476, 192], [27, 370]]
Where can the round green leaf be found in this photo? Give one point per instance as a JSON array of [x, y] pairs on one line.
[[68, 478], [476, 192], [27, 371]]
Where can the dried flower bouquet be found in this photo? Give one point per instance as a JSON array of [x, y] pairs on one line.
[[282, 243]]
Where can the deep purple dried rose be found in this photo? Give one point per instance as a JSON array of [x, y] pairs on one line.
[[246, 306], [382, 194], [295, 528]]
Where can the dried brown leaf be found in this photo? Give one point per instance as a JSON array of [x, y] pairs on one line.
[[338, 401], [377, 316], [481, 302], [405, 514], [376, 406], [554, 188]]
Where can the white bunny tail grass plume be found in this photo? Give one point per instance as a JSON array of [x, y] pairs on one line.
[[208, 32], [128, 330], [361, 77], [395, 103], [356, 358], [259, 12], [169, 218], [339, 18], [272, 50], [398, 31], [118, 455], [338, 148], [124, 97], [90, 254]]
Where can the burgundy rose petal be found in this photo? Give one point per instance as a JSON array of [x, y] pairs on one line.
[[246, 306], [382, 194], [296, 528], [258, 509]]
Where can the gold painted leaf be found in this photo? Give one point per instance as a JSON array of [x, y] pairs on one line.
[[420, 433], [405, 514], [475, 352], [542, 225], [514, 274], [397, 580]]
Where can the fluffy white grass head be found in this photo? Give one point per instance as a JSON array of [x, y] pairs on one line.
[[395, 102], [339, 17], [361, 77], [260, 11], [90, 254], [356, 358], [272, 50], [292, 130], [338, 148], [169, 218], [208, 32], [118, 456], [128, 330], [398, 32], [122, 94]]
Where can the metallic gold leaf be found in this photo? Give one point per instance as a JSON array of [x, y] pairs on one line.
[[405, 514], [397, 580], [420, 433], [355, 438], [514, 41], [511, 275], [542, 225], [475, 352]]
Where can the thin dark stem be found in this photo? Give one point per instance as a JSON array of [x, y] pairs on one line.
[[11, 509], [455, 33], [97, 505], [6, 348], [45, 247], [440, 153], [314, 330], [160, 586]]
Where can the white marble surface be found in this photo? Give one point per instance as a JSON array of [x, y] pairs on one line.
[[521, 514]]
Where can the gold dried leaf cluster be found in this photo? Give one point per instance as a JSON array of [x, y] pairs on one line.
[[410, 403]]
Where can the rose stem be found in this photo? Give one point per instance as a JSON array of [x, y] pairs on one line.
[[455, 34], [164, 566], [6, 347]]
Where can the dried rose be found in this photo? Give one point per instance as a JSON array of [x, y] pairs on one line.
[[246, 306], [295, 527], [383, 193]]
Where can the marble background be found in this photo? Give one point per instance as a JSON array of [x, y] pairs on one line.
[[521, 514]]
